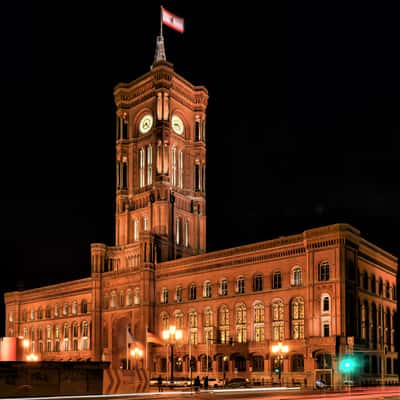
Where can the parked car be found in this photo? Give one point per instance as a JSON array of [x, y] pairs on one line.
[[238, 382], [180, 381], [215, 383], [321, 384]]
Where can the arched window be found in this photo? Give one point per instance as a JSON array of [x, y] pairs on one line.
[[65, 309], [297, 363], [145, 223], [325, 303], [179, 319], [129, 297], [75, 308], [32, 314], [135, 229], [223, 324], [323, 271], [84, 308], [65, 337], [276, 280], [207, 289], [365, 280], [178, 230], [241, 323], [164, 296], [113, 299], [258, 283], [180, 177], [149, 164], [193, 336], [380, 286], [258, 363], [164, 321], [387, 290], [137, 296], [373, 284], [186, 233], [40, 313], [277, 320], [259, 322], [48, 312], [121, 298], [142, 167], [223, 287], [75, 336], [192, 292], [208, 326], [85, 335], [179, 294], [173, 166], [240, 285], [297, 318], [297, 278]]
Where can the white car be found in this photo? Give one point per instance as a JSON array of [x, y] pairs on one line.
[[215, 383]]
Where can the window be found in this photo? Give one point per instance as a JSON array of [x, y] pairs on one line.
[[193, 336], [297, 363], [105, 301], [186, 234], [380, 287], [164, 321], [277, 320], [135, 229], [297, 276], [326, 329], [113, 299], [240, 285], [137, 296], [180, 176], [149, 165], [276, 280], [297, 318], [208, 317], [365, 280], [192, 292], [223, 289], [258, 283], [25, 316], [387, 290], [208, 326], [223, 324], [259, 322], [124, 173], [178, 230], [121, 298], [129, 297], [141, 168], [179, 319], [258, 363], [325, 303], [164, 296], [173, 166], [145, 224], [241, 323], [84, 308], [207, 289], [75, 308], [48, 312], [323, 271], [178, 294], [85, 335], [40, 313]]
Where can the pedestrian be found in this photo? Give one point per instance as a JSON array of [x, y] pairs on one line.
[[206, 382], [197, 383], [159, 383]]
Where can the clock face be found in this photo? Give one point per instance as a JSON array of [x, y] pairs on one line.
[[146, 123], [177, 125]]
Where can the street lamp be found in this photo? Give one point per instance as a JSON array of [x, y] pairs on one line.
[[224, 360], [135, 354], [280, 350], [171, 336]]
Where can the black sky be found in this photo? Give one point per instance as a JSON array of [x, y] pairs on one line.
[[303, 121]]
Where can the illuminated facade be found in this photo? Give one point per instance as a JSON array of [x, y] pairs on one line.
[[311, 291]]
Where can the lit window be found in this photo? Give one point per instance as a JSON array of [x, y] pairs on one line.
[[224, 324], [141, 168], [297, 318], [207, 289], [297, 276], [323, 271], [277, 321], [241, 329], [164, 296], [149, 165], [223, 287], [178, 294], [192, 292], [240, 285]]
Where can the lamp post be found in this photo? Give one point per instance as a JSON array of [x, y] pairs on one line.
[[136, 354], [280, 350], [171, 336], [224, 360]]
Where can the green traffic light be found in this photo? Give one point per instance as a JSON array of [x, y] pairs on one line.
[[348, 364]]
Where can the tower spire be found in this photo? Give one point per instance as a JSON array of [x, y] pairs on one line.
[[160, 48]]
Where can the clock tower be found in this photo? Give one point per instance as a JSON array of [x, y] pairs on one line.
[[160, 157]]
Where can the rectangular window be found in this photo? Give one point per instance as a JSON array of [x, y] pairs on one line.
[[326, 330], [259, 333], [179, 295], [277, 281], [323, 271]]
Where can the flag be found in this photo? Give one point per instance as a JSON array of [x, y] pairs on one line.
[[129, 337], [172, 20], [152, 338]]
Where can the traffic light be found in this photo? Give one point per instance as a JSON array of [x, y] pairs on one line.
[[348, 364], [277, 370]]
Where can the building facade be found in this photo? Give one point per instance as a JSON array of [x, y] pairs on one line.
[[324, 293]]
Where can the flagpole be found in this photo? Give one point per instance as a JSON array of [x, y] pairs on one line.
[[161, 31]]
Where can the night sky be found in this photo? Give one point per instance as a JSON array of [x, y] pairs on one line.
[[303, 121]]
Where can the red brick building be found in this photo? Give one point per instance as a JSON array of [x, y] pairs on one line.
[[311, 291]]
